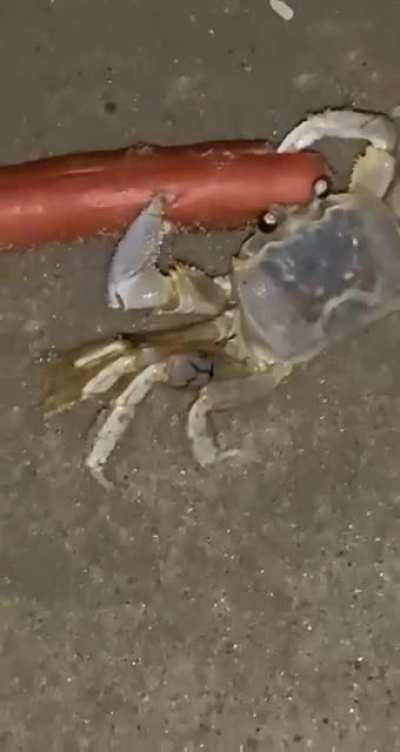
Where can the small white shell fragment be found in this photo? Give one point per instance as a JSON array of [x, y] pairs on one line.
[[282, 9]]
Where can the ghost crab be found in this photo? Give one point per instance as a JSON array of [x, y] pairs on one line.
[[322, 272]]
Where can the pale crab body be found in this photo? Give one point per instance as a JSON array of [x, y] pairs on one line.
[[322, 273], [336, 271]]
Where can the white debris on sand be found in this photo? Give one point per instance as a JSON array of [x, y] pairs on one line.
[[282, 9]]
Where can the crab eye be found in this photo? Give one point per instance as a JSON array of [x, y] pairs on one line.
[[321, 188], [268, 222]]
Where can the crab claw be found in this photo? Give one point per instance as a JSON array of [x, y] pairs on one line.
[[133, 280], [373, 127]]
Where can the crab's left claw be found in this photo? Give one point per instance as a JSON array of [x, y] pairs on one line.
[[375, 169], [375, 128], [133, 280]]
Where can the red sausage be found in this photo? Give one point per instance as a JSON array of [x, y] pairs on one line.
[[212, 185]]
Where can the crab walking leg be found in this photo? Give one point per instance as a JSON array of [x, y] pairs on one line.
[[375, 128], [93, 371], [121, 415], [223, 395], [107, 377], [97, 353], [103, 381]]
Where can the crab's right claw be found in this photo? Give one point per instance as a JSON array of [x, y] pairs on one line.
[[133, 280]]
